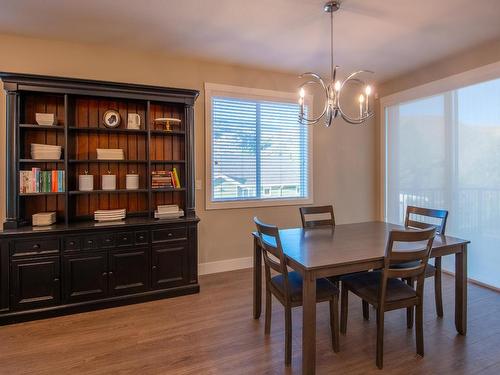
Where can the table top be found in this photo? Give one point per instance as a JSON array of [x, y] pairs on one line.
[[345, 244]]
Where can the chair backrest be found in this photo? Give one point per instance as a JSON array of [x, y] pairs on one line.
[[412, 247], [310, 222], [272, 252], [441, 215]]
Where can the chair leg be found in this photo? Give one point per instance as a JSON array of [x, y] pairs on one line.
[[438, 294], [344, 300], [366, 310], [334, 322], [409, 310], [380, 338], [267, 329], [419, 328], [288, 335]]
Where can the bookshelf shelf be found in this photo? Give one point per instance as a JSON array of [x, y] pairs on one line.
[[116, 191], [167, 161], [107, 130], [163, 190], [125, 161], [41, 194], [164, 132], [41, 160], [41, 127]]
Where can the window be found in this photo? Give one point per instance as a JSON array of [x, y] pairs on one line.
[[443, 151], [258, 154]]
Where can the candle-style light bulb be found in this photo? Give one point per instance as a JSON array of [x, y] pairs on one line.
[[368, 90], [302, 93], [361, 100], [337, 86]]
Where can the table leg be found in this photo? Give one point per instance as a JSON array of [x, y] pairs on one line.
[[309, 325], [461, 291], [257, 278]]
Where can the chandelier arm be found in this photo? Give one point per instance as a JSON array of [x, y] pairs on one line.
[[319, 80], [355, 121]]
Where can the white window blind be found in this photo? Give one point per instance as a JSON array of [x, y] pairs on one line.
[[259, 151], [444, 152]]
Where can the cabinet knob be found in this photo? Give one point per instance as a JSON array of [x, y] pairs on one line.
[[105, 274], [154, 267], [141, 238], [36, 246], [90, 242], [169, 234], [110, 273], [72, 243], [108, 240], [125, 238], [56, 280]]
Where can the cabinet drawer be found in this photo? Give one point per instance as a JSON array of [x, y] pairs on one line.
[[124, 239], [90, 242], [42, 245], [169, 234], [142, 237], [72, 243], [106, 240]]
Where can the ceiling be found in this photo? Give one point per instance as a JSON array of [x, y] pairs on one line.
[[387, 36]]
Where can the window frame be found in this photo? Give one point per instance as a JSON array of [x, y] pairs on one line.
[[220, 90]]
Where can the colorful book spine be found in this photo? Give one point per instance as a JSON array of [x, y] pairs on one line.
[[53, 181], [177, 183]]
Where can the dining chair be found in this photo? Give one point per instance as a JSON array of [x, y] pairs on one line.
[[385, 289], [287, 287], [309, 216], [441, 217]]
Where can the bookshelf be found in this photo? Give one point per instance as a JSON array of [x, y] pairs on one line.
[[79, 264], [78, 106]]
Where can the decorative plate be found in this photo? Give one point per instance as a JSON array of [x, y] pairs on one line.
[[111, 118]]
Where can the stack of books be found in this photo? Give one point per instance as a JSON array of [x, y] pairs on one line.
[[110, 154], [165, 179], [38, 181], [110, 215], [43, 218], [168, 211], [40, 151]]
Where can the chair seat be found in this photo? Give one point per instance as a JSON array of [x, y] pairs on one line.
[[324, 288], [430, 270], [366, 285]]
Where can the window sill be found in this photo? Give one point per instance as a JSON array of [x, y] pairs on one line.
[[225, 205]]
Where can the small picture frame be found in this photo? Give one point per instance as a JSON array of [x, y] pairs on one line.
[[111, 118]]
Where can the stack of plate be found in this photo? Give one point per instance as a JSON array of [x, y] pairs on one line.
[[110, 215], [169, 211], [44, 218], [39, 151], [110, 154]]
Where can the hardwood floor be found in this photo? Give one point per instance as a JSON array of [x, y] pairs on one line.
[[214, 333]]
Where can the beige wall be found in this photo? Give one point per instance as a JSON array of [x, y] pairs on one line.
[[344, 163], [469, 59]]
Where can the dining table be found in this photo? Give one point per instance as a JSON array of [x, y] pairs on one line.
[[331, 251]]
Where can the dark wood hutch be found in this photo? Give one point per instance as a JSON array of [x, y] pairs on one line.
[[78, 264]]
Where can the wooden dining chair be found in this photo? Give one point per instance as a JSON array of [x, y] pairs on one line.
[[441, 217], [309, 216], [385, 289], [287, 287]]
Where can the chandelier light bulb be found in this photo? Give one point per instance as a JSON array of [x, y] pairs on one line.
[[337, 86], [302, 93], [368, 90], [361, 98]]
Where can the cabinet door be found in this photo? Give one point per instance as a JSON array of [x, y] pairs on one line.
[[169, 265], [85, 276], [129, 271], [35, 282]]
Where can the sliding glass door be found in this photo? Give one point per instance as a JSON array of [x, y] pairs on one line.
[[444, 152]]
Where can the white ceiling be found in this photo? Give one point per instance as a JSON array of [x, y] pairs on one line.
[[386, 36]]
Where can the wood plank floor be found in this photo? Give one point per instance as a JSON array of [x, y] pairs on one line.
[[214, 333]]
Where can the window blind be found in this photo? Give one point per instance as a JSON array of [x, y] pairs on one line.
[[259, 150], [443, 152]]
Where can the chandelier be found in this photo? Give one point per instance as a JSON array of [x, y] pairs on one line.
[[333, 89]]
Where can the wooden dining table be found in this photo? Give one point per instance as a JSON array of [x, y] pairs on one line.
[[346, 248]]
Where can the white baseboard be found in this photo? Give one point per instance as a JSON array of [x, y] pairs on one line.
[[225, 265], [474, 281]]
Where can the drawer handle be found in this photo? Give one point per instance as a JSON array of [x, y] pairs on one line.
[[141, 238], [104, 274], [154, 267], [107, 240], [56, 280], [125, 238], [110, 273], [90, 242], [71, 243], [170, 234], [36, 246]]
